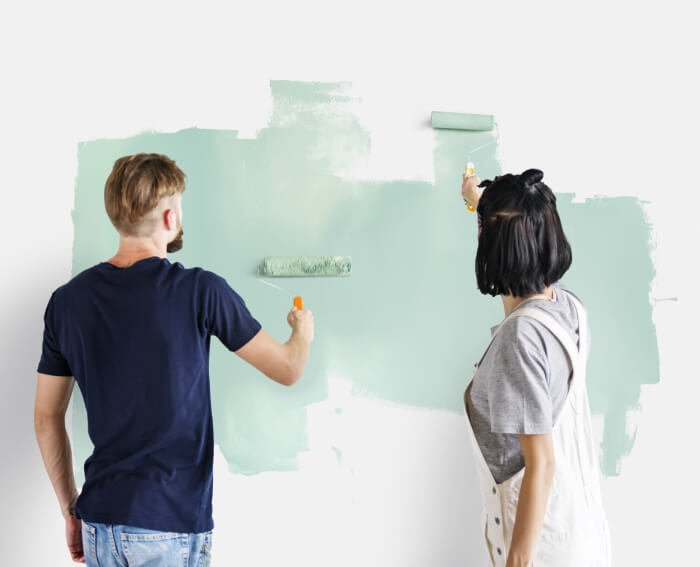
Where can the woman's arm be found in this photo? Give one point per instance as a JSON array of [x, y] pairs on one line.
[[534, 495]]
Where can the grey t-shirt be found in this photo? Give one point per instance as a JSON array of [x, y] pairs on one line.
[[521, 384]]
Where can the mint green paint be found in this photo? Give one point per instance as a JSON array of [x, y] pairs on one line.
[[409, 323], [306, 266], [460, 121], [612, 272]]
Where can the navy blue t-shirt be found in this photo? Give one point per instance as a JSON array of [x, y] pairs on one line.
[[136, 340]]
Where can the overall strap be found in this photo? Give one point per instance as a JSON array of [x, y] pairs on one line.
[[576, 354]]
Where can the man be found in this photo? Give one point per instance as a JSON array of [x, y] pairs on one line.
[[134, 332]]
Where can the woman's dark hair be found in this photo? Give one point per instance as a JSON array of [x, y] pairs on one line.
[[522, 247]]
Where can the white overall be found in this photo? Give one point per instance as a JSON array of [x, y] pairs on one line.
[[575, 529]]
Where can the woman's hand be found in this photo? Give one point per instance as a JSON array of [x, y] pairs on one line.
[[470, 192]]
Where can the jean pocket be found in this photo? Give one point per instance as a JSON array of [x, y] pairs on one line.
[[154, 549], [89, 544]]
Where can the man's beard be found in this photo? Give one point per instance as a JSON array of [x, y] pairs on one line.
[[176, 243]]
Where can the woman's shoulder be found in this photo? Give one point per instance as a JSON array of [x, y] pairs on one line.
[[564, 312], [566, 292], [533, 333], [522, 333]]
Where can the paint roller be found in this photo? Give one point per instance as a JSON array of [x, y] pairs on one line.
[[462, 121], [305, 266]]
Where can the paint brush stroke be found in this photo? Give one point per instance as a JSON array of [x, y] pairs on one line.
[[409, 323], [613, 273]]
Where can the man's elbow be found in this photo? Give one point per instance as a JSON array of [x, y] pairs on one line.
[[47, 421], [289, 375]]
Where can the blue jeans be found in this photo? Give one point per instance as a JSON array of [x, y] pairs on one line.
[[111, 545]]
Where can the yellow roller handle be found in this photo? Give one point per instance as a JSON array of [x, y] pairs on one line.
[[469, 170]]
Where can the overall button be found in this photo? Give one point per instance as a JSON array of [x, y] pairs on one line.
[[497, 520], [498, 550], [494, 490]]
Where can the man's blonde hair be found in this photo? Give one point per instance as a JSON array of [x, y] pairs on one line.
[[136, 186]]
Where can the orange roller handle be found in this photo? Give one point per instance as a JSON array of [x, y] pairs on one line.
[[299, 302]]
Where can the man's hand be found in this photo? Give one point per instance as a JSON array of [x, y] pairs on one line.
[[74, 538], [284, 363], [302, 323]]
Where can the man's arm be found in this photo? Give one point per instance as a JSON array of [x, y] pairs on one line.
[[285, 362], [52, 397], [534, 495]]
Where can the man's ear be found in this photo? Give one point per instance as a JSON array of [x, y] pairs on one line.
[[170, 219]]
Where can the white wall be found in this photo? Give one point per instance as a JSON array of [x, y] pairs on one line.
[[602, 96]]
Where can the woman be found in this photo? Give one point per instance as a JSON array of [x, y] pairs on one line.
[[526, 404]]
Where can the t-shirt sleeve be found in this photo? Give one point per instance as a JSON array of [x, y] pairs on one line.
[[226, 314], [52, 360], [518, 389]]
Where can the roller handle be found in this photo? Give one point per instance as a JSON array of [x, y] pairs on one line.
[[298, 302], [469, 170]]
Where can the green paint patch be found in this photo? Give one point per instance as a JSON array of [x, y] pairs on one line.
[[612, 272], [410, 322]]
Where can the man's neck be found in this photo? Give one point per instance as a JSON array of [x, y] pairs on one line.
[[132, 249]]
